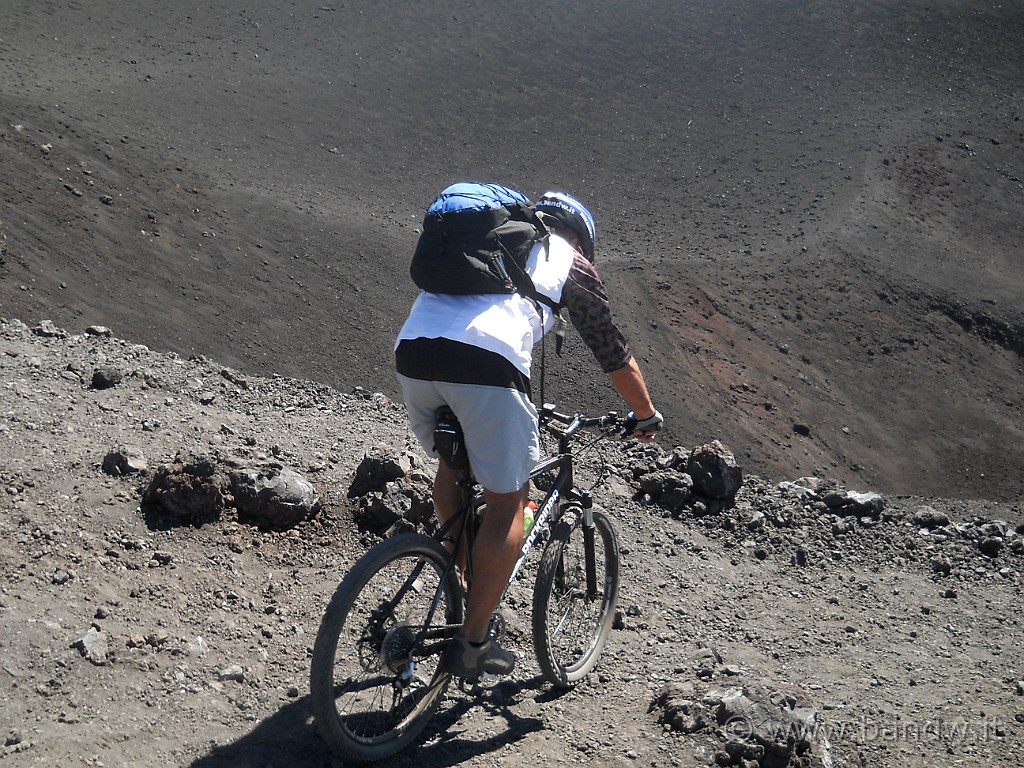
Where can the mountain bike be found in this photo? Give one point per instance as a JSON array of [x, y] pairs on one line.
[[377, 675]]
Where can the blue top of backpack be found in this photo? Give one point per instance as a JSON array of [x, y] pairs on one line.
[[475, 196]]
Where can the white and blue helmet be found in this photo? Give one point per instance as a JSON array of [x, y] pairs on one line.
[[569, 212]]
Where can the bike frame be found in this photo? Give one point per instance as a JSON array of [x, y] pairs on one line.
[[562, 492]]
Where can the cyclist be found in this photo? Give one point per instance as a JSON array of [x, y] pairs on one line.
[[473, 354]]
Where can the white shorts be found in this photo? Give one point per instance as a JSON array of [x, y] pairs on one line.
[[499, 425]]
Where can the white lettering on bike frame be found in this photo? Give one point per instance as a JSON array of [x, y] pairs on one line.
[[540, 521]]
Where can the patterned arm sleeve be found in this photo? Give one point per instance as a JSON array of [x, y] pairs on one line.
[[585, 298]]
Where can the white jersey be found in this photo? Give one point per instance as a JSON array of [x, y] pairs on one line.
[[507, 324]]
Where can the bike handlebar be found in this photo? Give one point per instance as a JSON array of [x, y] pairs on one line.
[[575, 422]]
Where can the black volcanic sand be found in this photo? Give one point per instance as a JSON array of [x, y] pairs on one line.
[[810, 214]]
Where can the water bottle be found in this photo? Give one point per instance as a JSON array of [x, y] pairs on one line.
[[528, 512]]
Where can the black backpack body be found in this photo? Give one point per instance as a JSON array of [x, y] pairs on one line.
[[476, 239]]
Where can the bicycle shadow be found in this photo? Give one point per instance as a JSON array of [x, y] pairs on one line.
[[288, 737], [455, 745]]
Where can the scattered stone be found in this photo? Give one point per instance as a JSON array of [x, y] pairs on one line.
[[755, 520], [996, 528], [379, 467], [680, 709], [855, 504], [162, 558], [106, 378], [804, 488], [125, 460], [770, 718], [98, 330], [686, 553], [189, 491], [197, 491], [674, 459], [668, 487], [842, 526], [714, 470], [93, 646], [388, 510], [927, 517], [234, 672], [157, 639], [991, 546], [273, 497], [235, 378], [47, 329], [197, 647]]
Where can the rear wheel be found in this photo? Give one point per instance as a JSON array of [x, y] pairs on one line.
[[376, 677], [572, 614]]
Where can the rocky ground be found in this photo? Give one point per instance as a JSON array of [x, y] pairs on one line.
[[891, 625], [810, 217]]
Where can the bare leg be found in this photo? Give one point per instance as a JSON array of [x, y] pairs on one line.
[[446, 492], [495, 552], [447, 497]]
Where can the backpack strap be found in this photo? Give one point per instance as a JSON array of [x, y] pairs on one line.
[[519, 277], [524, 283], [525, 287]]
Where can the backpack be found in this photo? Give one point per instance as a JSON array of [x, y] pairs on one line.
[[477, 238]]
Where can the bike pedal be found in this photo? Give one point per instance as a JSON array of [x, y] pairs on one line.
[[497, 627]]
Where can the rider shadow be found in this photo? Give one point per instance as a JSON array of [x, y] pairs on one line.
[[288, 737], [452, 747]]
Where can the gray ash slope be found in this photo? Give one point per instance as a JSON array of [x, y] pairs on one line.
[[128, 643], [810, 215]]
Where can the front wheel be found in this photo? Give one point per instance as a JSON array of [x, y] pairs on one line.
[[573, 611], [376, 677]]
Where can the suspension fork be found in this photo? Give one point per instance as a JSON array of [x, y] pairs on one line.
[[589, 532]]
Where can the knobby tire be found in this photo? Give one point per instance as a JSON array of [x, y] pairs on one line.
[[369, 701], [570, 627]]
